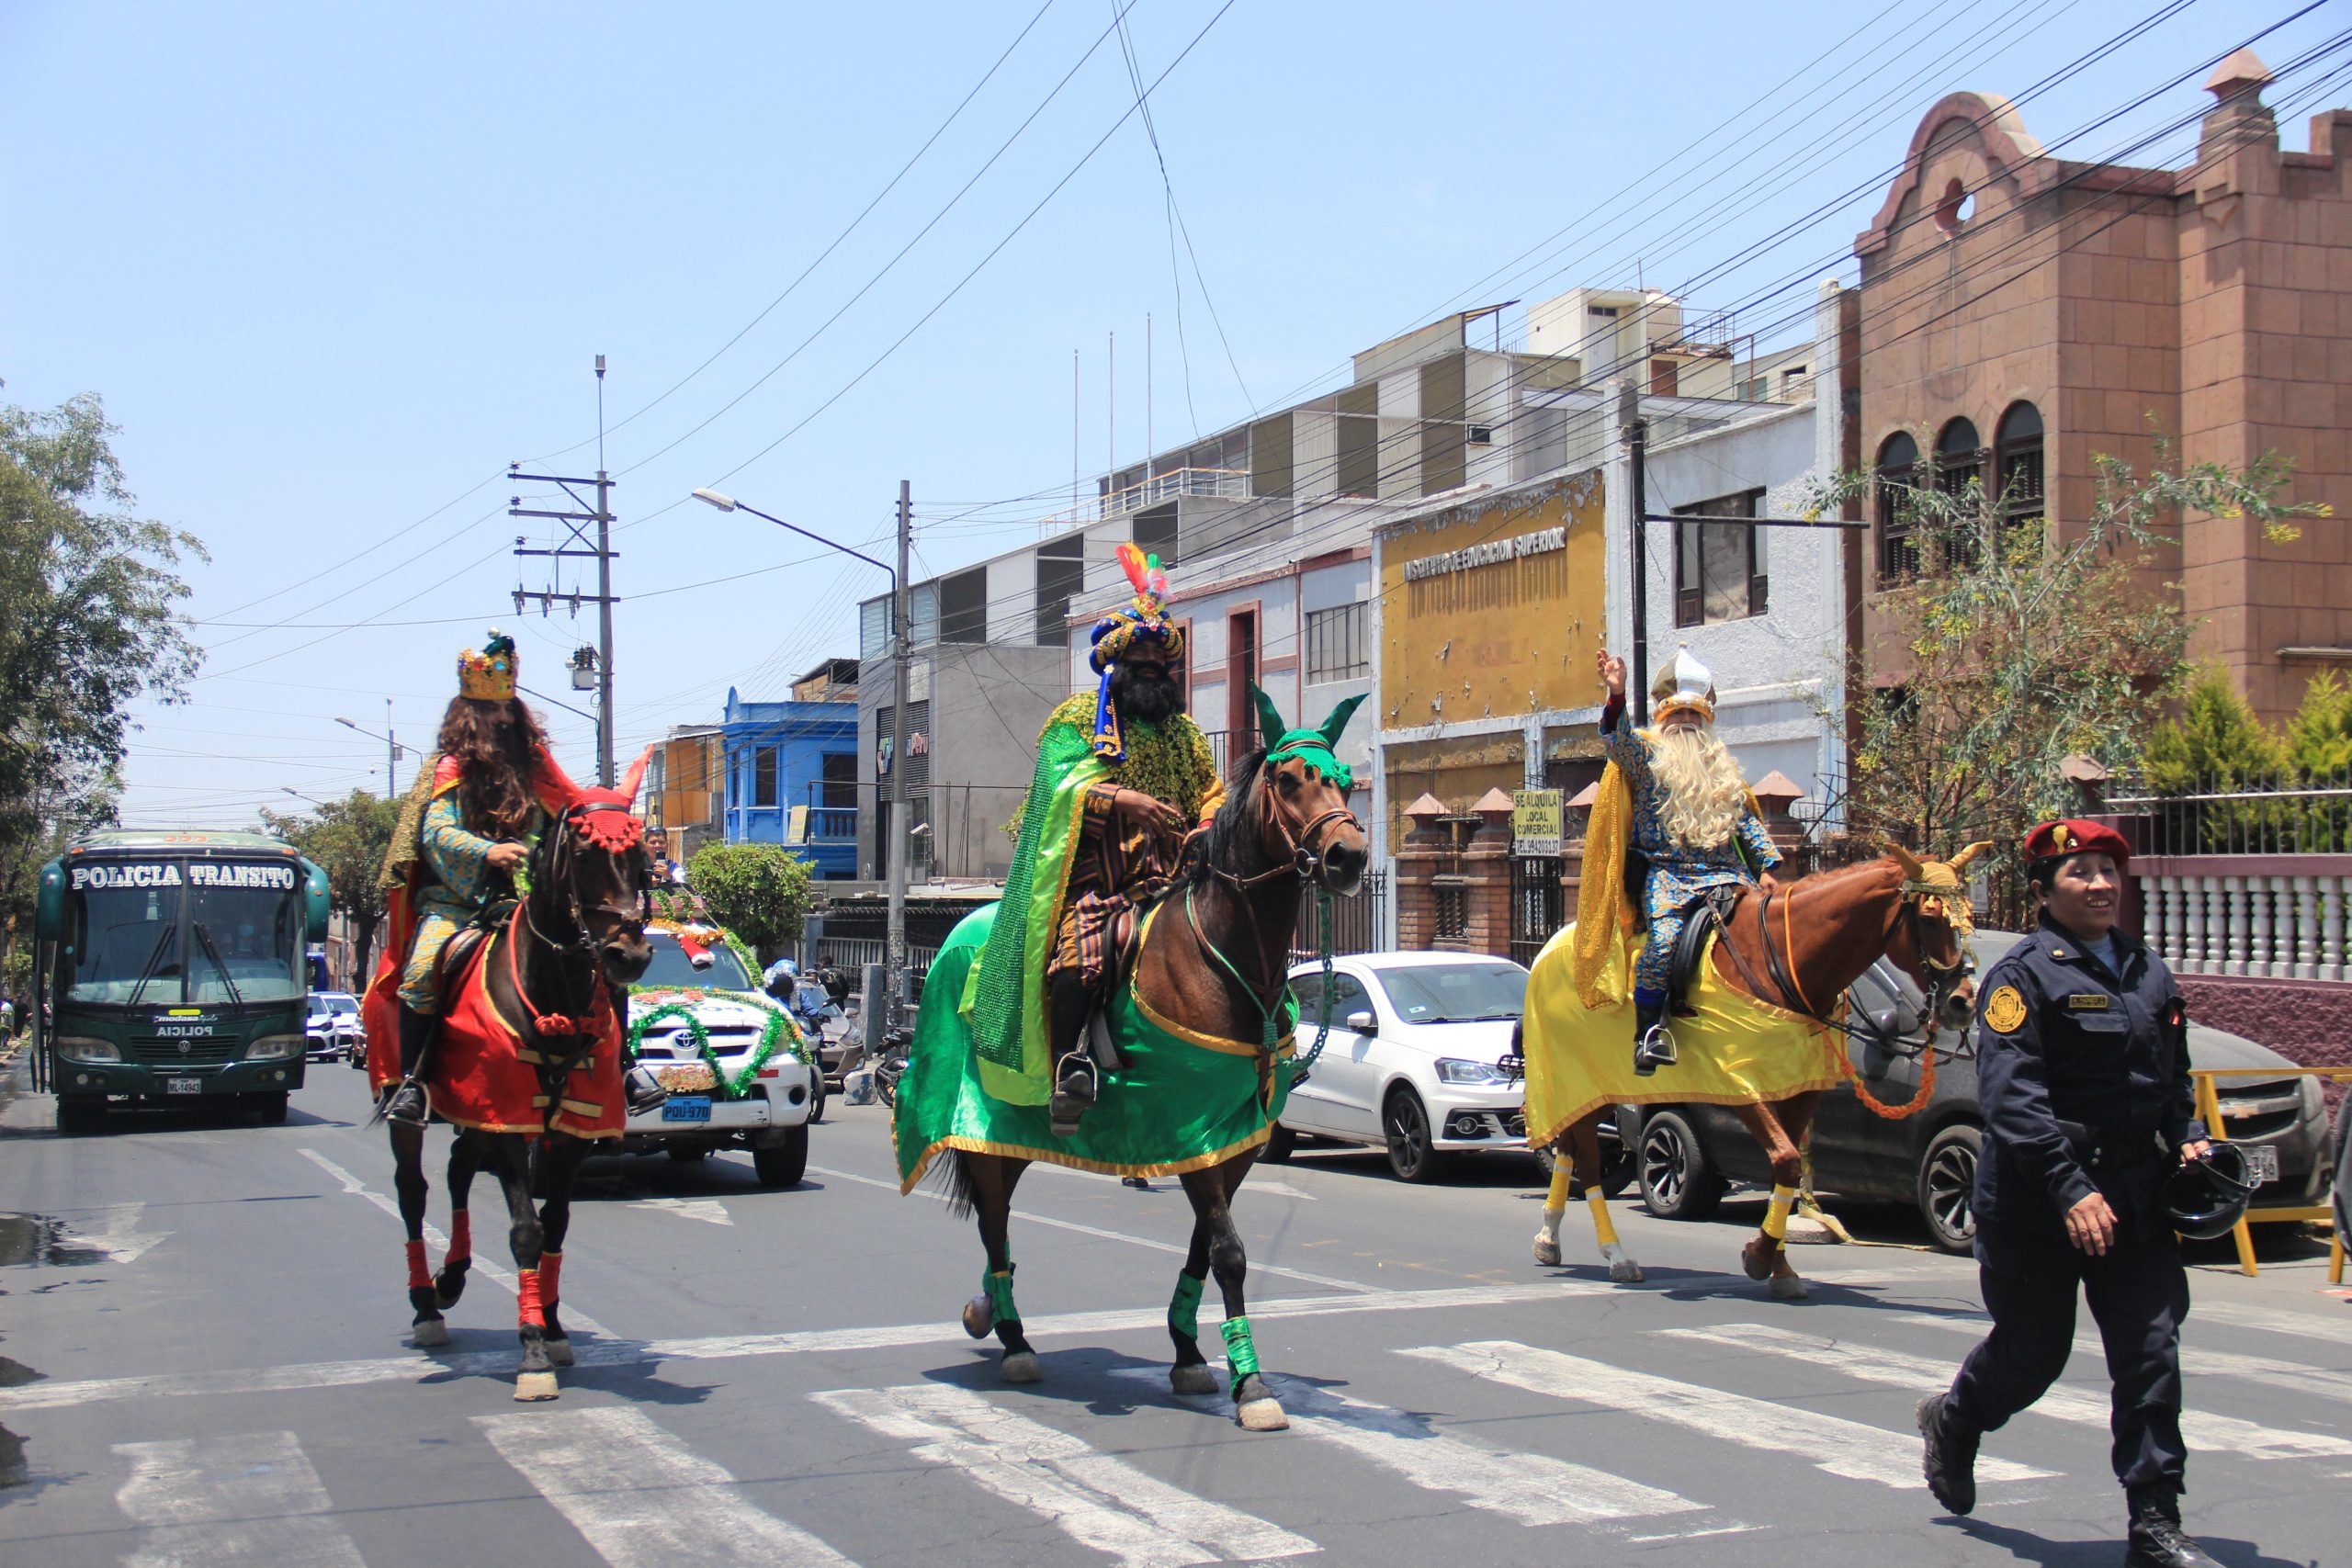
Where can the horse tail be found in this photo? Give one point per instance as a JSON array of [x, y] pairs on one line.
[[951, 1179]]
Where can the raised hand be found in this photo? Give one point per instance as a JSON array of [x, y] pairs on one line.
[[1612, 670]]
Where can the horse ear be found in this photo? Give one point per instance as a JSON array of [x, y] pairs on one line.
[[1270, 718], [1337, 725], [1960, 862], [1906, 859]]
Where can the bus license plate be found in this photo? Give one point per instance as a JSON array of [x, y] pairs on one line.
[[182, 1085], [693, 1108], [2261, 1162]]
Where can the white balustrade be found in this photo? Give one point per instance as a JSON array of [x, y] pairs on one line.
[[2262, 926], [2306, 889], [2258, 926], [2332, 963], [2192, 952], [2154, 899], [2226, 928]]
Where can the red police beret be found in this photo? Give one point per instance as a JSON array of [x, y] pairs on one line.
[[2074, 837]]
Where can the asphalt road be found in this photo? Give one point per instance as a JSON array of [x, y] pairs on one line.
[[205, 1362]]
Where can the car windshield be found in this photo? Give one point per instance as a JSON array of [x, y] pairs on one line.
[[672, 967], [1455, 993]]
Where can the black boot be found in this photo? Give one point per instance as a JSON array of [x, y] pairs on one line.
[[407, 1101], [642, 1089], [2156, 1539], [1077, 1082], [1950, 1462], [1653, 1042]]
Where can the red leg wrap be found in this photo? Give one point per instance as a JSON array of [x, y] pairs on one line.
[[462, 1237], [550, 1276], [418, 1274], [531, 1314]]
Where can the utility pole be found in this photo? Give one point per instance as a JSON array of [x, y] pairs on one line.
[[600, 513], [896, 953], [391, 755], [1639, 578]]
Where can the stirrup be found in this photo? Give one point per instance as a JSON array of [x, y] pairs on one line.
[[1654, 1050], [1078, 1083], [643, 1091], [418, 1115]]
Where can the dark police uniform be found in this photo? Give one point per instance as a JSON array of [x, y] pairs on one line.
[[2083, 1076]]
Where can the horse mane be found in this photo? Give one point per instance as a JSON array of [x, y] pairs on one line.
[[1234, 830]]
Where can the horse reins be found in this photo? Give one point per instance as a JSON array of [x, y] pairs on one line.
[[581, 1029], [1910, 899], [1306, 860]]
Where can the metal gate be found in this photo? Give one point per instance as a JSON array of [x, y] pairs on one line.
[[1356, 923], [1537, 907]]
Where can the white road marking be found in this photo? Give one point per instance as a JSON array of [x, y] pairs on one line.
[[1831, 1443], [231, 1499], [2293, 1376], [438, 1240], [608, 1352], [640, 1498], [1097, 1500], [1028, 1219], [1530, 1488], [709, 1211], [118, 1237]]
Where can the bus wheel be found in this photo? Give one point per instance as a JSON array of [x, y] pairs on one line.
[[271, 1106], [80, 1115]]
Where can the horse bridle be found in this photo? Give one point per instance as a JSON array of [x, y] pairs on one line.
[[559, 858], [1305, 848], [1912, 894]]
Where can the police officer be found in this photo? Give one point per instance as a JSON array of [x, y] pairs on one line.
[[2083, 1074]]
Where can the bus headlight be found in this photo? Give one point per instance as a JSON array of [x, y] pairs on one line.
[[82, 1048], [276, 1048]]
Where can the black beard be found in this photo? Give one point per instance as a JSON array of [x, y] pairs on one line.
[[1146, 699]]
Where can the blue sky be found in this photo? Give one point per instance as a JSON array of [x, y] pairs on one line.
[[333, 268]]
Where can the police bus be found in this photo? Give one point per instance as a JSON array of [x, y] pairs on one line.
[[172, 970]]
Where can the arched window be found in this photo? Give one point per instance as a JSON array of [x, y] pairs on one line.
[[2017, 453], [1959, 457], [1898, 470]]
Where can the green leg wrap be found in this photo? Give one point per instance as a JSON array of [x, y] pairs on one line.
[[1185, 1306], [998, 1288], [1240, 1349]]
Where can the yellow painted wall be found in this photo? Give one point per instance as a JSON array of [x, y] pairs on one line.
[[1500, 639]]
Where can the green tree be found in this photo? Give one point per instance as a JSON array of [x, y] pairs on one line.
[[2216, 743], [88, 622], [347, 839], [761, 892], [2319, 738]]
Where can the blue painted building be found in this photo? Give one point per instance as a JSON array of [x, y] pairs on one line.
[[791, 771]]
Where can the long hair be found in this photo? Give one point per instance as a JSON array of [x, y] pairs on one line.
[[495, 744], [1704, 795]]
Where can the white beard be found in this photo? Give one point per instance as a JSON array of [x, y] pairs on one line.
[[1704, 793]]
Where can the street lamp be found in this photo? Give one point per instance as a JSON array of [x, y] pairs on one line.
[[895, 850], [391, 749], [299, 796]]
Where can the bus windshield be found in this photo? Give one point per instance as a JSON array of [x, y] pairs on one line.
[[125, 939], [245, 945], [164, 935]]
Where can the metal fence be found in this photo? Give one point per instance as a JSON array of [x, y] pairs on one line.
[[1538, 905], [2243, 814], [1357, 923]]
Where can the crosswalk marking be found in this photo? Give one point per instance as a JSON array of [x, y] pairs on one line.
[[1530, 1488], [640, 1498], [1841, 1448], [1099, 1501], [234, 1498], [2292, 1376], [709, 1211]]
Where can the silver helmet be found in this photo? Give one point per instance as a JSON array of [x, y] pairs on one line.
[[1683, 683]]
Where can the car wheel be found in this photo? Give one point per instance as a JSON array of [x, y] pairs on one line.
[[1678, 1182], [271, 1106], [815, 1096], [785, 1164], [1617, 1170], [80, 1115], [1412, 1146], [1281, 1143], [1947, 1186]]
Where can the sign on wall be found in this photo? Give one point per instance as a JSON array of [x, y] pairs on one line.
[[1535, 815]]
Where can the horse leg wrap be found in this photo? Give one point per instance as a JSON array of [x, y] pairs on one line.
[[999, 1289], [1776, 1215], [1185, 1306], [1240, 1349], [1555, 1200], [461, 1239], [1603, 1230], [529, 1313], [419, 1276], [550, 1276]]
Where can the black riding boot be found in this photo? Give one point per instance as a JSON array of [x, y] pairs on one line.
[[643, 1091], [1653, 1042], [2156, 1539], [1077, 1080], [407, 1100]]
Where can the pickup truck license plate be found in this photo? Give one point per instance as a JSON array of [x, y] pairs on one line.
[[182, 1085], [2261, 1161], [694, 1109]]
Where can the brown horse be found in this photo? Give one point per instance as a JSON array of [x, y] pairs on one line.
[[1798, 949], [555, 973], [1215, 962]]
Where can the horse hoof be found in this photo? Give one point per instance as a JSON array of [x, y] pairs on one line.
[[1198, 1378], [1023, 1366], [977, 1317], [533, 1386], [1625, 1271], [1789, 1288], [1547, 1250], [428, 1334], [1262, 1415], [558, 1351]]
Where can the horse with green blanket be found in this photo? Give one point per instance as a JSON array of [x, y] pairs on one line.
[[1202, 1024]]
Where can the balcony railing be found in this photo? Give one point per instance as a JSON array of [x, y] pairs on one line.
[[1232, 484]]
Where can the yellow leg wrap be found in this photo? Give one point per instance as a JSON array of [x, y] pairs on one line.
[[1776, 1215], [1603, 1231], [1557, 1198]]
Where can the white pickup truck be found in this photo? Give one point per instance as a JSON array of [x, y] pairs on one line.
[[738, 1069]]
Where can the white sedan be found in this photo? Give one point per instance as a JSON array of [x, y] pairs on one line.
[[1409, 1066]]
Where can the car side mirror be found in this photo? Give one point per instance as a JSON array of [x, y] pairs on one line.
[[1884, 1024], [1364, 1024]]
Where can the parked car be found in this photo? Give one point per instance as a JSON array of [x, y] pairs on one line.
[[1689, 1153], [333, 1029], [1409, 1066], [771, 1113]]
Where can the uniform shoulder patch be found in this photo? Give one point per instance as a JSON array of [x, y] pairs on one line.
[[2004, 1010]]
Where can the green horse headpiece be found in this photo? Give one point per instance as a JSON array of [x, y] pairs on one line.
[[1312, 746]]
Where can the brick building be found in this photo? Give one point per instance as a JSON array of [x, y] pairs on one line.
[[2020, 312]]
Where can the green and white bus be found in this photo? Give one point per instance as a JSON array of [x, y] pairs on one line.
[[172, 970]]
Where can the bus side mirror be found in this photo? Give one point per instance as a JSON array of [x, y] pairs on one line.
[[314, 902], [49, 903]]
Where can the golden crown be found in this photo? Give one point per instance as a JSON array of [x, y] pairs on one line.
[[489, 676]]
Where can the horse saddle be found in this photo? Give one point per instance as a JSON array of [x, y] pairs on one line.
[[459, 953], [1710, 913]]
